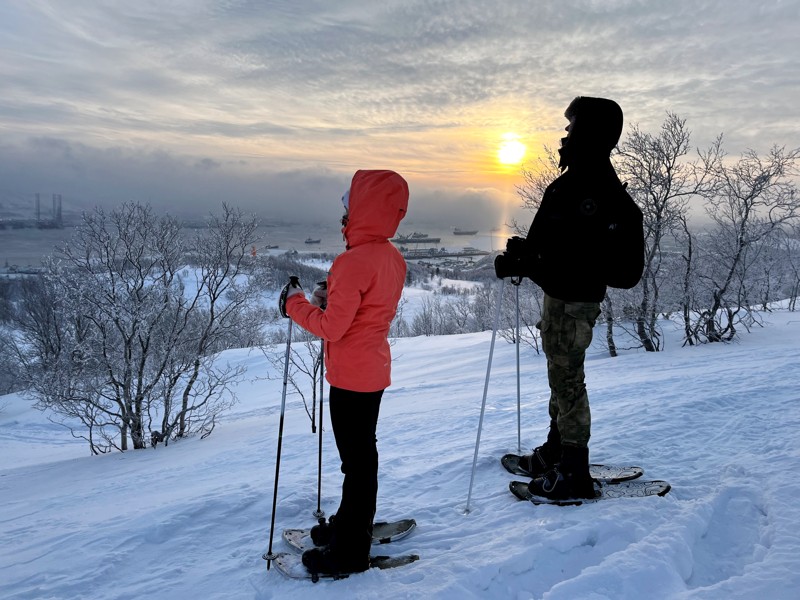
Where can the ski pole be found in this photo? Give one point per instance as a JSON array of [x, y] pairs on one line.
[[516, 283], [270, 556], [485, 388], [319, 513]]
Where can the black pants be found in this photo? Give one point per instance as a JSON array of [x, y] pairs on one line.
[[354, 416]]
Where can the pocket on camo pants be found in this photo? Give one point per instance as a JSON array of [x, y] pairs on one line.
[[583, 316], [567, 327]]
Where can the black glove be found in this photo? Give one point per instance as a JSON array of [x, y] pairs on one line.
[[506, 265], [515, 246], [289, 290], [510, 263]]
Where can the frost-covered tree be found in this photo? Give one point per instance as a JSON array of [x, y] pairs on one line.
[[757, 198], [119, 332], [790, 245], [535, 180], [661, 180], [9, 294], [530, 298], [305, 369]]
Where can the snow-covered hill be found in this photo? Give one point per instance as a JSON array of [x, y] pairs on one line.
[[720, 422]]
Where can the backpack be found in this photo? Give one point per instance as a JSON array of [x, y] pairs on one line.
[[623, 242]]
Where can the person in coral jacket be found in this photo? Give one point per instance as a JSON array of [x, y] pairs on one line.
[[360, 300]]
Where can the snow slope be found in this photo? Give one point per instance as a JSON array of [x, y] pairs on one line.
[[720, 422]]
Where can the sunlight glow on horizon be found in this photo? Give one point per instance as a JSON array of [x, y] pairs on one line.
[[511, 150]]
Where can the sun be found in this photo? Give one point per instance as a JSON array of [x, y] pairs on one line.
[[511, 150]]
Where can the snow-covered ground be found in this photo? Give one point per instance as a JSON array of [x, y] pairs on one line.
[[720, 422]]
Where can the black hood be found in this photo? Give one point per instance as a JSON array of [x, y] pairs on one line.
[[595, 130]]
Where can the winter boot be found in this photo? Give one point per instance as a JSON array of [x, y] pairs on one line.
[[540, 461], [322, 532], [328, 561], [544, 457], [568, 479]]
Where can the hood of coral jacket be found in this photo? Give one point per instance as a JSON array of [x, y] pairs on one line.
[[378, 202]]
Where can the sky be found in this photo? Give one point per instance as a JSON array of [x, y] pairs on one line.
[[272, 106]]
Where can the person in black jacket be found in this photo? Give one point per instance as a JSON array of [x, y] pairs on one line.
[[564, 254]]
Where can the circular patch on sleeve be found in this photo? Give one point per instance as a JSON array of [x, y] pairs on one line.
[[588, 207]]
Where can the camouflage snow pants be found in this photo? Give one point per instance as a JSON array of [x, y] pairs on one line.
[[566, 329]]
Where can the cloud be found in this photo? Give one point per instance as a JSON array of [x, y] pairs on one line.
[[86, 177], [207, 164], [262, 102]]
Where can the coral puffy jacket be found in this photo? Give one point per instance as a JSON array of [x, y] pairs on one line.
[[364, 287]]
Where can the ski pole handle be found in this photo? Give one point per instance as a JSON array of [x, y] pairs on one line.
[[294, 283]]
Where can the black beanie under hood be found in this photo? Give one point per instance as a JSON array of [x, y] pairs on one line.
[[595, 131]]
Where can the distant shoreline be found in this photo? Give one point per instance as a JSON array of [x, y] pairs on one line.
[[27, 247]]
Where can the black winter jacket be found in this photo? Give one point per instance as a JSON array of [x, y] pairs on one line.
[[563, 252]]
